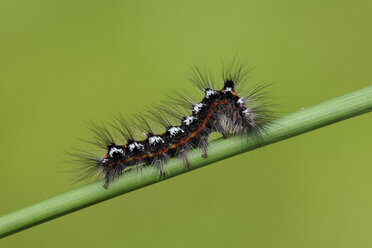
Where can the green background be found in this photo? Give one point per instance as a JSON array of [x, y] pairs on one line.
[[65, 62]]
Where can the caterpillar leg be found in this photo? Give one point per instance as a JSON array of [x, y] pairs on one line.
[[183, 152], [111, 174], [203, 144], [222, 128], [223, 122], [107, 182], [183, 156], [159, 162]]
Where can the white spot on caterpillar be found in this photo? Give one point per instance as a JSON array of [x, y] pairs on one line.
[[250, 116], [209, 93], [197, 107], [247, 112], [228, 89], [114, 149], [189, 120], [175, 130], [155, 139], [135, 145], [241, 102]]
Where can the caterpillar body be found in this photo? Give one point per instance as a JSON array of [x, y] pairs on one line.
[[221, 110]]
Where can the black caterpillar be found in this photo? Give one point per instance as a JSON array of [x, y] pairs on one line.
[[222, 111]]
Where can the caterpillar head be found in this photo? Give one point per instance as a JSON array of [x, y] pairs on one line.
[[229, 85]]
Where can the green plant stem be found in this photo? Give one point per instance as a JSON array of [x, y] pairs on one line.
[[302, 121]]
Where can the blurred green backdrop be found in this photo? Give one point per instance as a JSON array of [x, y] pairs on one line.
[[65, 62]]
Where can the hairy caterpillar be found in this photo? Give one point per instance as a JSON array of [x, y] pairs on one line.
[[222, 110]]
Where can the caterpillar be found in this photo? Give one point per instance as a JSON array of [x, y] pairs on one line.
[[222, 110]]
